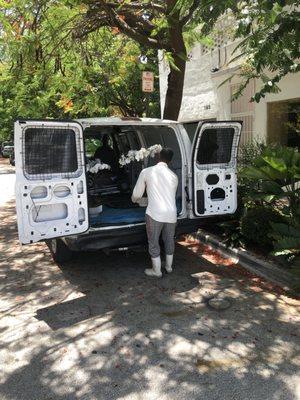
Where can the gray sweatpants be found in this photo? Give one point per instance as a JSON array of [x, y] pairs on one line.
[[154, 229]]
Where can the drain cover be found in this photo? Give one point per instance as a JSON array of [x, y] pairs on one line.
[[219, 303]]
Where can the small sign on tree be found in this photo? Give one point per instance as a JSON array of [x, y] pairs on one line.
[[148, 82]]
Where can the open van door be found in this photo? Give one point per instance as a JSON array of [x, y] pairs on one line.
[[51, 193], [214, 180]]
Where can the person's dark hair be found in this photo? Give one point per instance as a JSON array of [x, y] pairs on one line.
[[166, 155], [105, 140]]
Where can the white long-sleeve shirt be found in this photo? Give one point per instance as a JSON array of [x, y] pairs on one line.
[[161, 185]]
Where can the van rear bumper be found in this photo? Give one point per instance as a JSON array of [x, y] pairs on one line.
[[122, 237]]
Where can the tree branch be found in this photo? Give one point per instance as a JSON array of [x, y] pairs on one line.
[[139, 6], [112, 18], [193, 8]]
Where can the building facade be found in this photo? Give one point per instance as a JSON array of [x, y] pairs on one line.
[[206, 98]]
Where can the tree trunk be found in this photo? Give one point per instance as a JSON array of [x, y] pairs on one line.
[[175, 77]]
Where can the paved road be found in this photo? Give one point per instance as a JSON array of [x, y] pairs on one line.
[[97, 328], [7, 181]]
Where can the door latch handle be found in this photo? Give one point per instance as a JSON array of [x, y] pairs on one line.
[[187, 194]]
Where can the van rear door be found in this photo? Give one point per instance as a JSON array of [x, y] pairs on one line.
[[214, 180], [51, 193]]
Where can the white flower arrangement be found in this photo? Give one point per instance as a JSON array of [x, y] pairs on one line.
[[140, 155], [95, 166]]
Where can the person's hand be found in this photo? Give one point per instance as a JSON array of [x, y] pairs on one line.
[[143, 202]]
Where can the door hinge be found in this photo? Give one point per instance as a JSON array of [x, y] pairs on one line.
[[187, 194]]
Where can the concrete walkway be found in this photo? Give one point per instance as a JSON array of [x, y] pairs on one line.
[[97, 328]]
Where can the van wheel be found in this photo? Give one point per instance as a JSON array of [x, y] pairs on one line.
[[59, 251]]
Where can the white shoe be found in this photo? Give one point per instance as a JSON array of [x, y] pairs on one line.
[[169, 263], [151, 272], [156, 268]]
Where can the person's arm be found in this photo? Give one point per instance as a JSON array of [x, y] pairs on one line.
[[139, 188]]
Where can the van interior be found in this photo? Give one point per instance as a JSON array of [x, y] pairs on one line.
[[109, 191]]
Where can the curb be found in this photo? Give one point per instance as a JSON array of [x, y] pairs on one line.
[[249, 261]]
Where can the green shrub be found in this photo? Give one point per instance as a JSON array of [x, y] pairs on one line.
[[256, 226], [231, 230], [287, 240], [268, 213], [275, 175], [249, 152]]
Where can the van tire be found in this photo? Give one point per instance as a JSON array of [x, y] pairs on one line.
[[59, 251]]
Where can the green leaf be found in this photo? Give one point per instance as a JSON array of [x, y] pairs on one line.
[[269, 198], [253, 173], [272, 187], [170, 59], [287, 244], [282, 252], [276, 163], [286, 230]]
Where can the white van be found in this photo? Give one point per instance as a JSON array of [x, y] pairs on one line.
[[60, 202]]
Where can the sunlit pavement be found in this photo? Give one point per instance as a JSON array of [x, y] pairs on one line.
[[7, 179], [97, 328]]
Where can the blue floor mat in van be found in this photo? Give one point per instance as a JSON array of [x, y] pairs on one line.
[[111, 215], [119, 215]]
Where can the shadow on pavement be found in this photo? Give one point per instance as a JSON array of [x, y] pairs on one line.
[[97, 328]]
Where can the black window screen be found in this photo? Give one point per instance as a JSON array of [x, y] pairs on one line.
[[128, 140], [215, 146], [166, 137], [153, 134], [50, 151]]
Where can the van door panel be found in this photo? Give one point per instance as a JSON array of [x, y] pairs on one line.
[[51, 194], [214, 181]]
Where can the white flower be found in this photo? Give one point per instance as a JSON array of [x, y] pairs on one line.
[[270, 83], [95, 166], [156, 148], [246, 21], [211, 8], [139, 155], [245, 11], [243, 4], [131, 154]]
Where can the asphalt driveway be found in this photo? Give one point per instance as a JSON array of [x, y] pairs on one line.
[[97, 328]]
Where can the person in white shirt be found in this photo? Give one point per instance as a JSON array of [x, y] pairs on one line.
[[161, 214]]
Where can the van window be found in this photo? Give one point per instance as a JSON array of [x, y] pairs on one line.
[[49, 151], [153, 134], [123, 142], [165, 136], [215, 146], [91, 145]]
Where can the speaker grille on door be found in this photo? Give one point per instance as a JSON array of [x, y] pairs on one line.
[[212, 179]]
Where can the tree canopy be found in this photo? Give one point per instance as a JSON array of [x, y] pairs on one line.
[[80, 58], [269, 40], [268, 32], [46, 73]]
